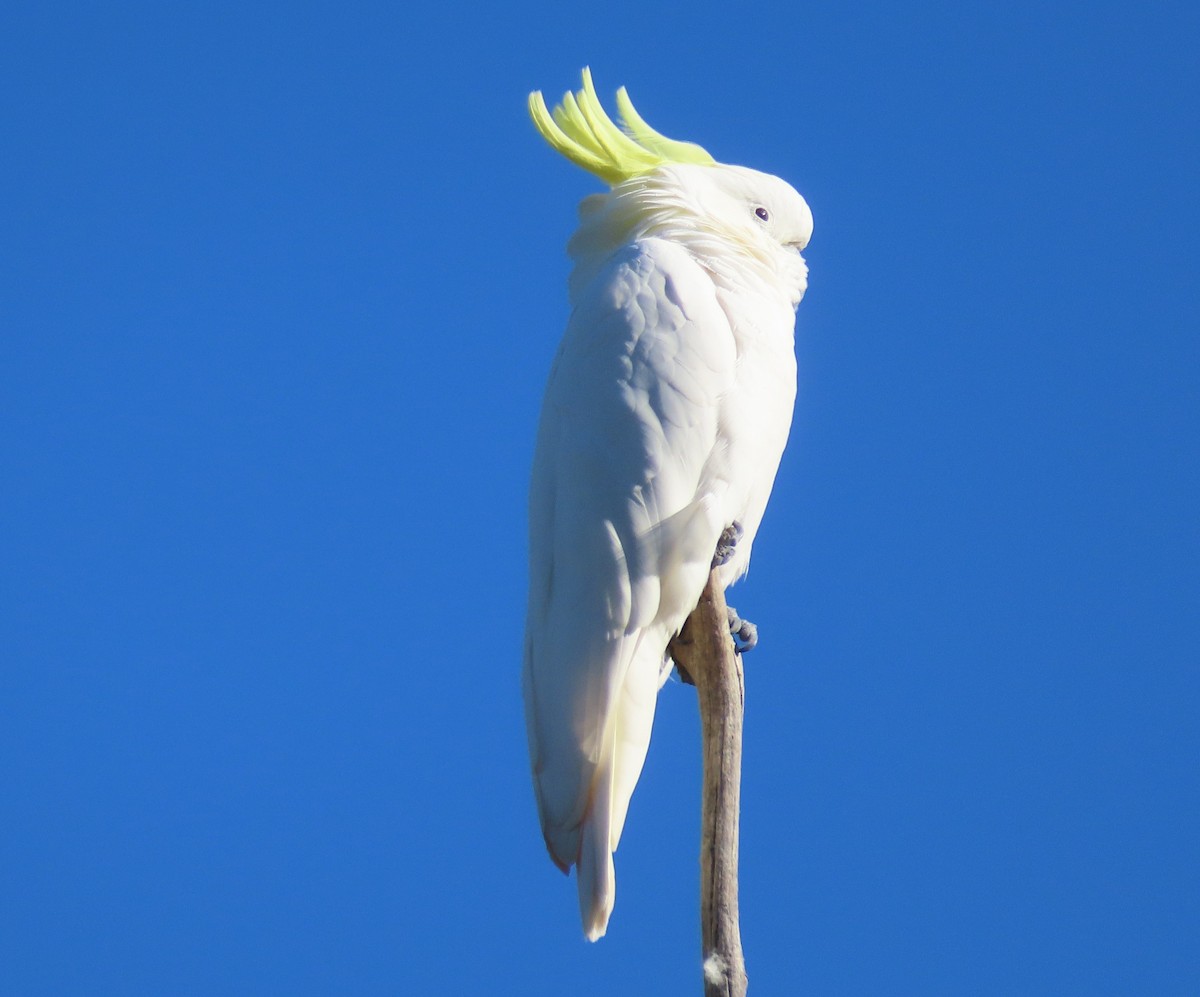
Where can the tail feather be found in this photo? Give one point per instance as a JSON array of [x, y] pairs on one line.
[[595, 874], [627, 738], [597, 879]]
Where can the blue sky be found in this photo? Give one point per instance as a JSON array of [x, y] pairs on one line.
[[282, 286]]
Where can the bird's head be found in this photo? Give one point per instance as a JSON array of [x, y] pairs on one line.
[[657, 181], [758, 207]]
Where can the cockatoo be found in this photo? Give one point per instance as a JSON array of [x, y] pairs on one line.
[[662, 428]]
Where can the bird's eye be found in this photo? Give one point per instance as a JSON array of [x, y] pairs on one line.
[[762, 214]]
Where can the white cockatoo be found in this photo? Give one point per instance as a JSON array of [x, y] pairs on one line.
[[662, 428]]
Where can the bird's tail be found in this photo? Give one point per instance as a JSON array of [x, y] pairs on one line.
[[627, 737], [596, 875]]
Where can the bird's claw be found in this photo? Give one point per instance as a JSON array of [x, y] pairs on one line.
[[742, 630], [727, 543]]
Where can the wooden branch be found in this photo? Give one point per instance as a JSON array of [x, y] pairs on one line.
[[705, 656]]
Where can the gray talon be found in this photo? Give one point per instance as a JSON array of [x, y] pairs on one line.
[[742, 630], [727, 543]]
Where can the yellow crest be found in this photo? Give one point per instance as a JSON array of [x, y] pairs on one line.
[[580, 129]]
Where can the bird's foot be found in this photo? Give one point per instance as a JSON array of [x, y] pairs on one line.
[[727, 544], [742, 630]]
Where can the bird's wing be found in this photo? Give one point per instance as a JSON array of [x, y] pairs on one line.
[[624, 518]]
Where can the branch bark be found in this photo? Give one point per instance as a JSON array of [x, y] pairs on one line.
[[705, 656]]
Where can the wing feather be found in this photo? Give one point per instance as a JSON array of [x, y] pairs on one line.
[[624, 517]]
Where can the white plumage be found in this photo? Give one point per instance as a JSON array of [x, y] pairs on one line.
[[663, 423]]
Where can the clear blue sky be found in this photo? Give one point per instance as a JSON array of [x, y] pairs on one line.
[[281, 287]]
